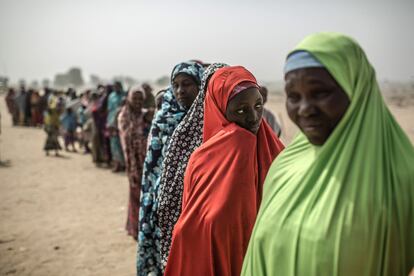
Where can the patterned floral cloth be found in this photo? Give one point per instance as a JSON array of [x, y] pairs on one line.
[[133, 132], [163, 125], [185, 139]]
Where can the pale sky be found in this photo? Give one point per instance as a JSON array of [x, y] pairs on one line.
[[145, 39]]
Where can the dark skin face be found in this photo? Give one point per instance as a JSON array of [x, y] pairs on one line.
[[185, 89], [246, 110], [315, 102], [137, 101], [117, 88]]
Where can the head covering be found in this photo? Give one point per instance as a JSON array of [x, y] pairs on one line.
[[191, 68], [241, 87], [346, 207], [300, 60], [185, 139], [136, 88], [222, 187], [163, 125]]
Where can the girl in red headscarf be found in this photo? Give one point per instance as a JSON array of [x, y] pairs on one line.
[[224, 179]]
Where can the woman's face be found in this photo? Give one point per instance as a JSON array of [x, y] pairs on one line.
[[315, 102], [137, 100], [185, 89], [246, 109]]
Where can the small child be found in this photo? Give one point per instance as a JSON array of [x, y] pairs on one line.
[[69, 124], [51, 126]]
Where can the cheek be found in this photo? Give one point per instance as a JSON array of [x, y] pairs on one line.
[[334, 109], [291, 110], [175, 93], [194, 91], [260, 113]]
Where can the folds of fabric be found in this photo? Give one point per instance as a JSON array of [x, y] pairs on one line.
[[133, 133], [222, 187], [163, 126], [346, 207], [185, 139]]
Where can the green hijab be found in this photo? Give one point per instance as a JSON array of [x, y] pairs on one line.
[[346, 207]]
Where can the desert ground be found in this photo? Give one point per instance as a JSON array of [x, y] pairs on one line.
[[64, 216]]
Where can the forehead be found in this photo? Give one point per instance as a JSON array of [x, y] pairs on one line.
[[182, 77], [137, 93], [309, 76], [249, 95]]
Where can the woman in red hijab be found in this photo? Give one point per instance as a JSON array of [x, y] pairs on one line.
[[224, 178]]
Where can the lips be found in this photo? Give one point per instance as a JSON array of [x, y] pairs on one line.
[[254, 128], [311, 126]]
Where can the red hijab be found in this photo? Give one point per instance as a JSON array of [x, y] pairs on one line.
[[222, 187]]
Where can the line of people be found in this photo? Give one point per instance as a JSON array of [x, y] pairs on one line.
[[213, 191], [220, 195]]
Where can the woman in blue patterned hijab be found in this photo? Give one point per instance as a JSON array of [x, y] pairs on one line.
[[185, 85]]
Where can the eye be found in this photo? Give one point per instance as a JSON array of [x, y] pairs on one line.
[[322, 94], [293, 97], [259, 105], [240, 111]]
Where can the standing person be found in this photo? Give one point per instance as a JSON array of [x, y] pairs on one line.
[[134, 123], [97, 125], [35, 108], [12, 107], [21, 104], [115, 100], [185, 85], [340, 199], [224, 177], [28, 108], [149, 97], [44, 99], [51, 127], [268, 115], [84, 122], [69, 123], [103, 113], [186, 138], [158, 99]]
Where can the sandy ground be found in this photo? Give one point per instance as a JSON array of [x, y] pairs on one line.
[[64, 216], [59, 216]]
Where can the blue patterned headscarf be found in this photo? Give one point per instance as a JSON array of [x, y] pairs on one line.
[[186, 138], [163, 126], [193, 69]]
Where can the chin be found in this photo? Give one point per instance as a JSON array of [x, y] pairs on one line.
[[316, 140]]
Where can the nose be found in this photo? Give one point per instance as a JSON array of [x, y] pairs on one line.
[[180, 90], [306, 108], [252, 117]]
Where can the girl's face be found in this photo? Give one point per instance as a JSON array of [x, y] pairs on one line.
[[246, 109]]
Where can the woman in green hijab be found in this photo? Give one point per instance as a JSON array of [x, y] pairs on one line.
[[339, 200]]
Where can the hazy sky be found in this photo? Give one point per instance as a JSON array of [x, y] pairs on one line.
[[145, 39]]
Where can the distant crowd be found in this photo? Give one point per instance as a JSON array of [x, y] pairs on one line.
[[214, 191]]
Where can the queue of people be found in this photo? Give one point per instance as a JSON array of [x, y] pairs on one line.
[[214, 191]]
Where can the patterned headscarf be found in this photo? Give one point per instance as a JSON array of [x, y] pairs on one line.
[[185, 139], [163, 125], [193, 69]]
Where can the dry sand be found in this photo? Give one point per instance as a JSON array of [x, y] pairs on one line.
[[59, 216], [64, 216]]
